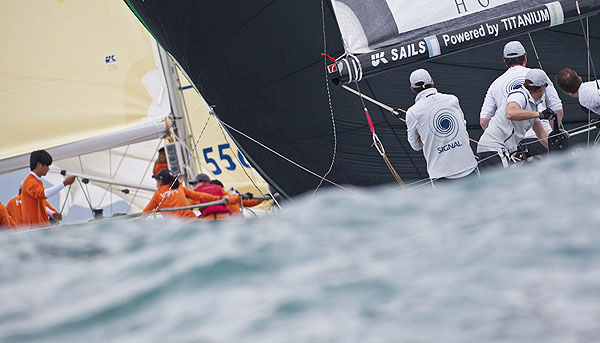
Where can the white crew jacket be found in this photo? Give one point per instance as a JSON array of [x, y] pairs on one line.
[[589, 96], [506, 134], [511, 80], [438, 120]]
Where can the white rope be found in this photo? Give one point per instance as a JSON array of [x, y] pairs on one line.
[[329, 102]]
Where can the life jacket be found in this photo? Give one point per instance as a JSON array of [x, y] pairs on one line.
[[213, 190]]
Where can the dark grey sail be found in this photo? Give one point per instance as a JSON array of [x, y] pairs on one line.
[[259, 63]]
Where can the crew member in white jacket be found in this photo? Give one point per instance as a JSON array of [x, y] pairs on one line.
[[515, 59], [436, 125], [520, 113], [588, 93]]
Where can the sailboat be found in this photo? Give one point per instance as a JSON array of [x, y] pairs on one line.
[[261, 65], [102, 97]]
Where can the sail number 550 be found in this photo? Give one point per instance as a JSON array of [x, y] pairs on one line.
[[224, 157]]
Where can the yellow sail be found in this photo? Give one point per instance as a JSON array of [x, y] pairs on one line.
[[70, 70], [84, 80]]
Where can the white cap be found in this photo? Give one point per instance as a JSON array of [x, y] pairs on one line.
[[536, 78], [420, 76], [514, 49]]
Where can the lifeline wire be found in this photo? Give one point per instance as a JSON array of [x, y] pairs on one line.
[[283, 157], [240, 163]]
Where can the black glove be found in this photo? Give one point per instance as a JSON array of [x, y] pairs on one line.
[[248, 195], [547, 114]]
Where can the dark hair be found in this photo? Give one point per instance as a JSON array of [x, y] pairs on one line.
[[161, 150], [421, 86], [509, 62], [41, 156], [568, 80], [217, 182]]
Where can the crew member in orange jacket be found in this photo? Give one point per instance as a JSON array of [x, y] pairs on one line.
[[6, 222], [171, 194], [13, 206], [236, 209], [33, 195], [161, 162]]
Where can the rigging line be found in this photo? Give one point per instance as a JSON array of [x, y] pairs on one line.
[[406, 152], [85, 195], [83, 172], [395, 111], [328, 100], [549, 136], [113, 175], [283, 157], [376, 142], [66, 198], [242, 166], [586, 37], [187, 121], [588, 70], [144, 175], [175, 179], [535, 51]]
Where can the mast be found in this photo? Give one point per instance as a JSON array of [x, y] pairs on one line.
[[177, 112], [424, 45]]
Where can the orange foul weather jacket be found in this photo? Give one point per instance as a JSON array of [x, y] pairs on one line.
[[5, 219], [33, 206], [236, 208], [14, 209], [178, 198]]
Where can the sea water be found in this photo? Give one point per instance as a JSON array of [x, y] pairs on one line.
[[511, 257]]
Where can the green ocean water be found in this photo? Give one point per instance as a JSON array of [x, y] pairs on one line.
[[510, 257]]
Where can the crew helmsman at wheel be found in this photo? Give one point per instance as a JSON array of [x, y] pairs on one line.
[[514, 118], [436, 125]]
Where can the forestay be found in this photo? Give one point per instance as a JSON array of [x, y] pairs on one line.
[[397, 32]]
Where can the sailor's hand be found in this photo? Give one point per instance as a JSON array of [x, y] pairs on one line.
[[226, 198], [547, 114], [69, 180], [57, 216], [248, 195]]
